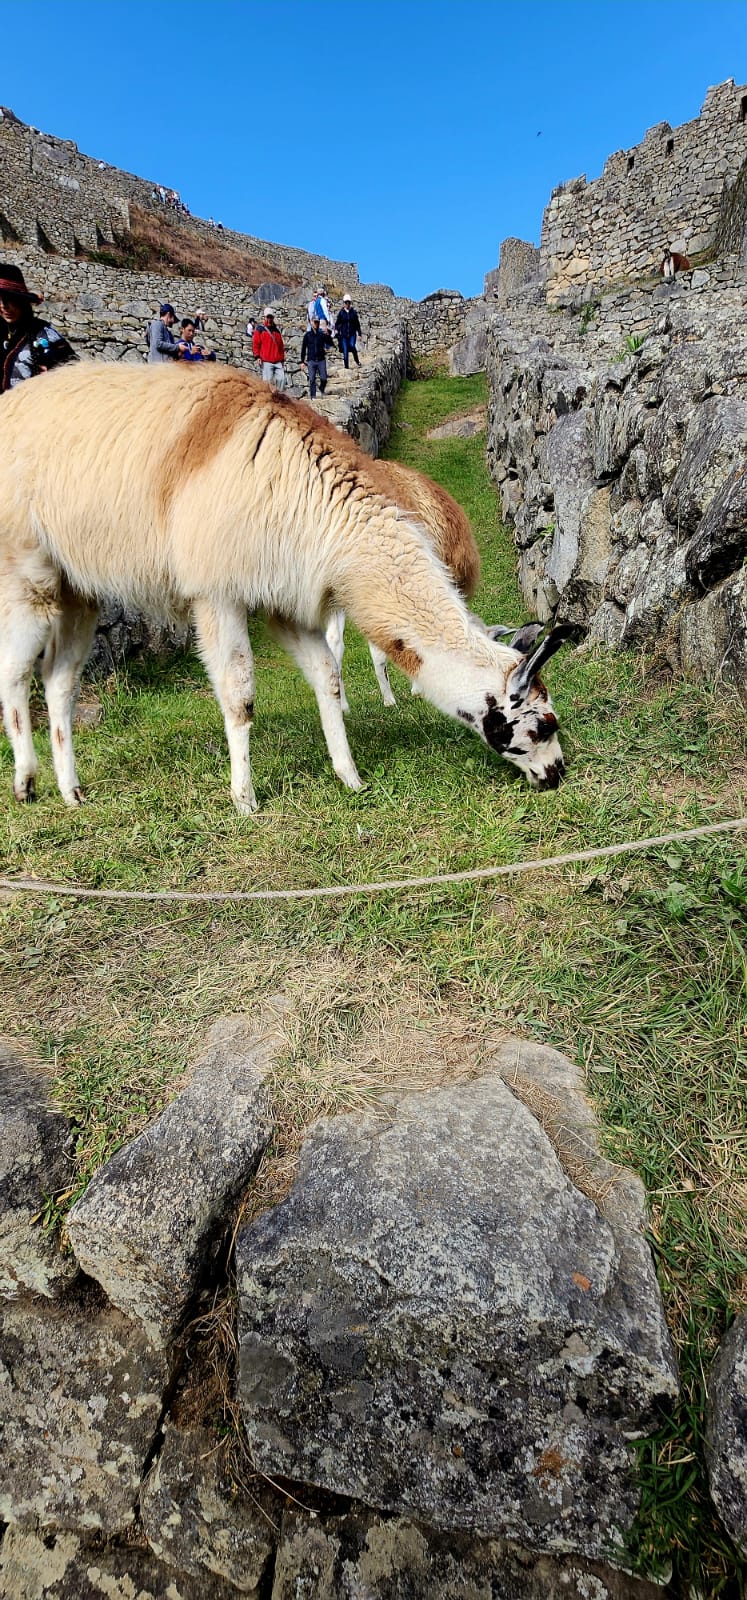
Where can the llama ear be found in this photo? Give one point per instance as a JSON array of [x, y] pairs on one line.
[[520, 639], [526, 636], [527, 670]]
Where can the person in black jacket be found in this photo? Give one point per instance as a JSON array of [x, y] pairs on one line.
[[314, 356], [30, 345], [347, 328]]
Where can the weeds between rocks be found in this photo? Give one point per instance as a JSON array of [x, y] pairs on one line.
[[636, 969]]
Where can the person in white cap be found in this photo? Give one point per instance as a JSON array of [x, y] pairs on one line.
[[268, 347], [347, 328]]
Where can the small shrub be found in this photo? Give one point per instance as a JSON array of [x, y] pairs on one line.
[[588, 313]]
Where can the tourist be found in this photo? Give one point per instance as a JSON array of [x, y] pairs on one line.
[[347, 328], [319, 307], [250, 327], [188, 350], [200, 318], [162, 345], [268, 347], [316, 342], [30, 345]]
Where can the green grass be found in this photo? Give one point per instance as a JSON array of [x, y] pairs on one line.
[[636, 968]]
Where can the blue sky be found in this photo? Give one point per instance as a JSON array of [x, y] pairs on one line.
[[410, 136]]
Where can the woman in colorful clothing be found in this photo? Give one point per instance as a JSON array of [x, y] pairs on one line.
[[30, 345]]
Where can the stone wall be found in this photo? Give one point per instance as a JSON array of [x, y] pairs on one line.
[[54, 198], [435, 324], [518, 264], [666, 191], [731, 232], [427, 1381], [620, 451]]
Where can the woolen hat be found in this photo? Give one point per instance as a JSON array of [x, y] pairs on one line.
[[12, 282]]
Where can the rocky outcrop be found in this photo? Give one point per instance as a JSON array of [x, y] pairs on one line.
[[411, 1333], [453, 1315], [625, 479], [195, 1521], [62, 1566]]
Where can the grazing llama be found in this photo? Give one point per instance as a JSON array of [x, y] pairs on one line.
[[206, 490]]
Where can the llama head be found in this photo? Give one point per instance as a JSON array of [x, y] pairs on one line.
[[506, 703]]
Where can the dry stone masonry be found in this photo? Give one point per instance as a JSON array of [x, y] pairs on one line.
[[665, 192], [57, 200], [617, 419], [445, 1342]]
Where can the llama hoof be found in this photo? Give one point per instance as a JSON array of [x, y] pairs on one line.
[[74, 797], [351, 780], [25, 791], [245, 804]]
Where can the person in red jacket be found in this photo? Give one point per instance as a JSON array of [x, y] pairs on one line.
[[268, 347]]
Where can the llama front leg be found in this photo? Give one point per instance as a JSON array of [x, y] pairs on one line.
[[312, 654], [223, 643], [64, 660], [23, 632]]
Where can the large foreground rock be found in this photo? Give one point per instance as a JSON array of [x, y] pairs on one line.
[[35, 1162], [727, 1432], [364, 1557], [81, 1394], [438, 1322], [59, 1566], [147, 1222]]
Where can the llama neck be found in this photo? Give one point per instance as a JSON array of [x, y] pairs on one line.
[[400, 596]]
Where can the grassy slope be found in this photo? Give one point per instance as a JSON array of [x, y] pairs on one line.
[[636, 969]]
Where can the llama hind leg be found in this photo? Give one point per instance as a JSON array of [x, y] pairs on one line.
[[64, 659], [312, 654], [223, 643], [335, 637], [382, 675], [24, 630]]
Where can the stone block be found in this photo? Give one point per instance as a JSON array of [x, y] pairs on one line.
[[438, 1322], [197, 1519], [81, 1394], [364, 1557], [36, 1161], [60, 1566], [148, 1222], [726, 1442]]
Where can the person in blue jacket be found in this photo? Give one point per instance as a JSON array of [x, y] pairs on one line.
[[314, 355], [347, 328]]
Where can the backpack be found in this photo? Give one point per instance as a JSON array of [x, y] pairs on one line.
[[319, 310]]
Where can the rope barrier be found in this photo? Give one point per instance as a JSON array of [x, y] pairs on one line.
[[334, 891]]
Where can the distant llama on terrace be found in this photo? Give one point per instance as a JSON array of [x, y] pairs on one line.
[[208, 490]]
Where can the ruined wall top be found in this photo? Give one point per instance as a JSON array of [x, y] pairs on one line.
[[666, 191], [54, 198]]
